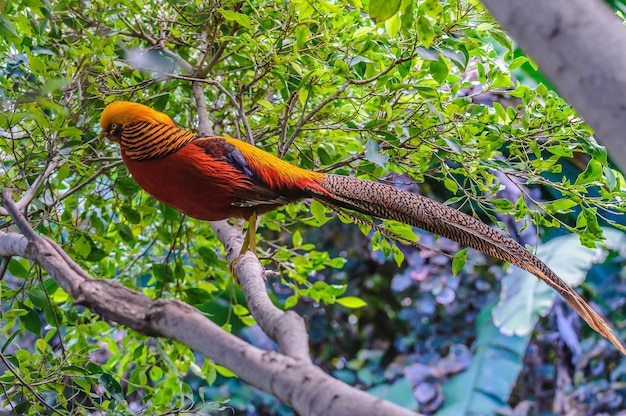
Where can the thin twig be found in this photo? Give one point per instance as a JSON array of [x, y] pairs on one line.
[[141, 34], [28, 386], [32, 189], [238, 106], [307, 118], [4, 266], [79, 186]]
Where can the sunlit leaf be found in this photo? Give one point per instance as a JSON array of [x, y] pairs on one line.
[[381, 10], [459, 260], [351, 302]]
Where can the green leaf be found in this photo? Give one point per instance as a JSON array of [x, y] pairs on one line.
[[560, 205], [318, 211], [124, 231], [381, 10], [54, 84], [63, 172], [591, 174], [518, 62], [503, 205], [156, 373], [591, 215], [82, 247], [240, 18], [611, 178], [373, 154], [425, 33], [111, 386], [593, 149], [30, 320], [127, 186], [265, 104], [450, 185], [351, 302], [7, 29], [302, 35], [439, 69], [131, 214], [398, 255], [41, 345], [296, 239], [459, 260], [162, 272], [432, 8], [392, 25], [208, 256], [224, 372], [500, 111], [240, 310], [362, 32], [291, 301], [14, 313], [18, 267]]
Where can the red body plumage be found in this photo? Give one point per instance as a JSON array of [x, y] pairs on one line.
[[183, 178]]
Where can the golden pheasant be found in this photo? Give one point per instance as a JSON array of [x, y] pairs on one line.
[[213, 178]]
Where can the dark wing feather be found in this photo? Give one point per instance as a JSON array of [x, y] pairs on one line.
[[258, 193]]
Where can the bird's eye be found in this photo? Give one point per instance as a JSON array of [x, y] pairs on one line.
[[114, 127]]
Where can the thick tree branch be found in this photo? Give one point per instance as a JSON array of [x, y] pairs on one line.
[[577, 45], [293, 380], [286, 328], [204, 123]]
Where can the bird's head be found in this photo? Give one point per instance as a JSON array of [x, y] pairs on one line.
[[119, 114]]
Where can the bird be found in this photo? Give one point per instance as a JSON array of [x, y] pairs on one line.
[[217, 177]]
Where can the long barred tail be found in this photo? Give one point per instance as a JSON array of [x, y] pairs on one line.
[[388, 202]]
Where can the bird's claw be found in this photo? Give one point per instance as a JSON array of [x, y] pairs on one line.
[[232, 265], [249, 243]]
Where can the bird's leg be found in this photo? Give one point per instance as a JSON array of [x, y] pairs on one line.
[[249, 243]]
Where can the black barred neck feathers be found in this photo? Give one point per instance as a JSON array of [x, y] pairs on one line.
[[144, 140]]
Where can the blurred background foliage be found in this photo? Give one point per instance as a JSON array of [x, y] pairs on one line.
[[431, 96]]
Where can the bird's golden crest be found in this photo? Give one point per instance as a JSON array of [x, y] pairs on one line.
[[122, 113]]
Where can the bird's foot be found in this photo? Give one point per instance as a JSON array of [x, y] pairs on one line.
[[232, 266], [249, 243]]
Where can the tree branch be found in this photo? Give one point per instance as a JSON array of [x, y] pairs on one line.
[[286, 328], [575, 44], [332, 97], [32, 189], [293, 380], [239, 106], [204, 123], [156, 43]]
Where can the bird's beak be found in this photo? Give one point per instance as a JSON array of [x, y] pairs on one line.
[[104, 135]]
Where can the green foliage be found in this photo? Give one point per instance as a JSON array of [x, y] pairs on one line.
[[410, 93]]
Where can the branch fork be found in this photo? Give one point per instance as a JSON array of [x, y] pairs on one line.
[[289, 374]]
